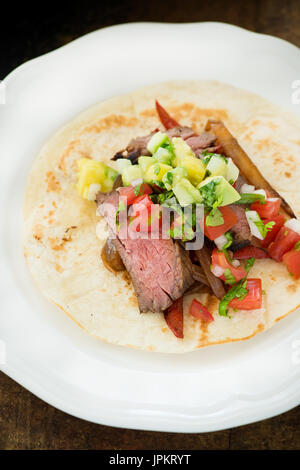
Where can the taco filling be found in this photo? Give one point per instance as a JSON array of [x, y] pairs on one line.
[[166, 175]]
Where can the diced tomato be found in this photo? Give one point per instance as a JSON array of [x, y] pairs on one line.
[[252, 300], [271, 234], [230, 220], [219, 259], [200, 311], [140, 213], [155, 219], [130, 192], [250, 252], [174, 318], [268, 210], [292, 261], [165, 117], [143, 199], [285, 240]]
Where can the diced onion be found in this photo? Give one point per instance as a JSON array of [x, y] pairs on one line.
[[220, 241], [217, 270], [93, 190], [235, 263], [294, 225], [136, 182], [272, 199], [252, 217], [247, 188], [262, 192]]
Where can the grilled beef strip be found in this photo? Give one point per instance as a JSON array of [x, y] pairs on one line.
[[199, 275], [242, 235], [160, 270], [198, 143], [204, 258]]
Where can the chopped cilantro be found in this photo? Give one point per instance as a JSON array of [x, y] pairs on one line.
[[239, 291], [264, 228], [229, 242], [137, 190], [170, 177], [248, 198], [229, 277], [248, 265], [210, 200]]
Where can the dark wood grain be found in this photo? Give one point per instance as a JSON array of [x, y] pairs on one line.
[[25, 421]]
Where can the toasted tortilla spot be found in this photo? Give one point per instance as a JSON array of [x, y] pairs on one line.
[[70, 148], [38, 230], [133, 300], [58, 268], [56, 244], [195, 113], [149, 113], [292, 288], [52, 183], [287, 174], [262, 143], [126, 278], [111, 121]]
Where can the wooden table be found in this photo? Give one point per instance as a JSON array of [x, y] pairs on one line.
[[25, 421]]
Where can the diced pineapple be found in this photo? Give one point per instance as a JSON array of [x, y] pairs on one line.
[[185, 157], [89, 172], [195, 168], [156, 172], [181, 150], [93, 174]]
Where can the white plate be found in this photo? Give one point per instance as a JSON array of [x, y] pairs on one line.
[[210, 389]]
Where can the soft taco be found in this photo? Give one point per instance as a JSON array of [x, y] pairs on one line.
[[99, 191]]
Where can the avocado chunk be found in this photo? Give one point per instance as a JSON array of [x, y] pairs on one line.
[[223, 190], [186, 193]]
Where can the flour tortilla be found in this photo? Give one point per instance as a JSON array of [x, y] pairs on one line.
[[59, 235]]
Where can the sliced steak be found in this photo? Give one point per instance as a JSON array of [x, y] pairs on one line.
[[183, 132], [160, 270], [241, 230], [198, 143], [201, 142], [239, 183]]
